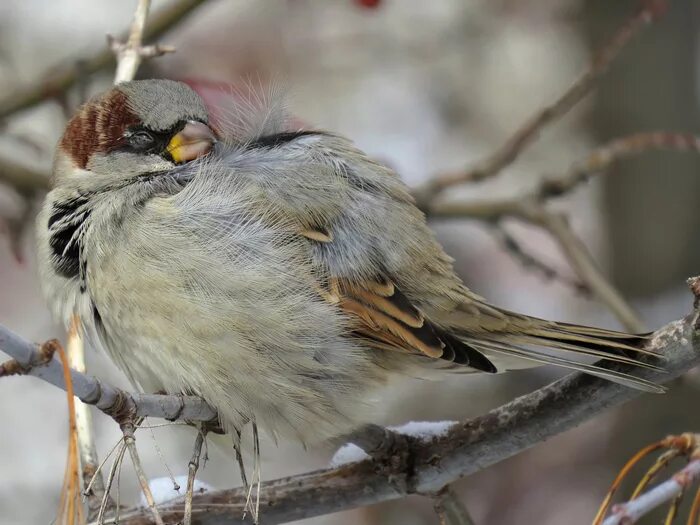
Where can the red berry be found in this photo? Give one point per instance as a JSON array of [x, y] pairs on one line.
[[370, 4]]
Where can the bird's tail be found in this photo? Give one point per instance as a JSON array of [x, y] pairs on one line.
[[534, 342]]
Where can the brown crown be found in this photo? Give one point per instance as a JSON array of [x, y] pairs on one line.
[[98, 127]]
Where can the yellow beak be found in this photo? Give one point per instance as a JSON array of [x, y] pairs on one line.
[[195, 139]]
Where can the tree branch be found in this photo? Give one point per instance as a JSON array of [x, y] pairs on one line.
[[62, 79], [112, 401], [649, 11], [587, 269], [131, 53], [450, 509], [605, 156], [631, 511]]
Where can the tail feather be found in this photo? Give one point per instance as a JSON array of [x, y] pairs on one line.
[[600, 332], [605, 340], [517, 347], [535, 356], [585, 350]]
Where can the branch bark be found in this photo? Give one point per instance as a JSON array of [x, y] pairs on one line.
[[631, 511], [114, 402]]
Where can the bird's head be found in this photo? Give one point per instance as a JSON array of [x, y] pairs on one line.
[[137, 128]]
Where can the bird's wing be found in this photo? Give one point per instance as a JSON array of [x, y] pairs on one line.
[[385, 318]]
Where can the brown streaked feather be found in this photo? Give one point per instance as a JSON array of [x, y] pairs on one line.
[[389, 321], [396, 305], [98, 127], [384, 288], [420, 339]]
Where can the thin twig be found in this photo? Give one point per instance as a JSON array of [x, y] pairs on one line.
[[256, 480], [505, 155], [61, 79], [91, 476], [450, 509], [100, 467], [130, 441], [116, 467], [159, 452], [239, 458], [529, 261], [118, 404], [630, 512], [604, 157], [192, 473], [586, 268], [131, 53]]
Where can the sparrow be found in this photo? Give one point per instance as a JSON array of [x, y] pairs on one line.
[[282, 275]]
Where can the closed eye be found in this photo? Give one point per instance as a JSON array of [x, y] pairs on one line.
[[147, 141], [141, 140]]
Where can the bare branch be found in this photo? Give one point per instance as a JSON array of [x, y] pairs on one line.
[[450, 509], [604, 157], [650, 11], [193, 467], [132, 52], [61, 79], [666, 492], [91, 476], [113, 471], [130, 442], [129, 53], [530, 261], [586, 268], [120, 405]]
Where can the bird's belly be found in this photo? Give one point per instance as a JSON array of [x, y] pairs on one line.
[[286, 363]]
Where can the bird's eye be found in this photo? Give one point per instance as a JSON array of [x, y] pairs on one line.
[[141, 140]]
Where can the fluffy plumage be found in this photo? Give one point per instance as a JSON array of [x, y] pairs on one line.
[[283, 276]]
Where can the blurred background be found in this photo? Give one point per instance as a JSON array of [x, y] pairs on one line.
[[427, 88]]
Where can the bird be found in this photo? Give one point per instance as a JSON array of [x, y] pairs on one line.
[[279, 273]]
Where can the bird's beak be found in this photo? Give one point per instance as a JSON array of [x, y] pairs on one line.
[[195, 139]]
